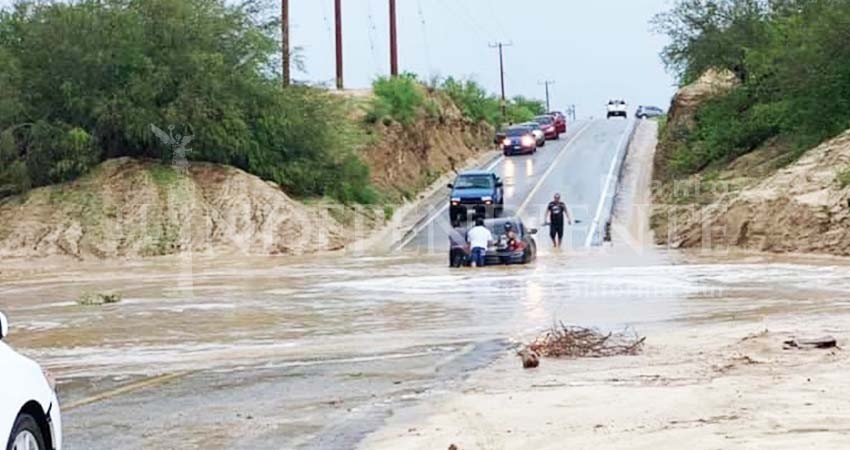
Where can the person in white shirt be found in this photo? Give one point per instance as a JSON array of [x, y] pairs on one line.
[[479, 238]]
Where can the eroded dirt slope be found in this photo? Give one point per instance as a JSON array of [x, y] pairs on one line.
[[800, 208], [131, 208], [406, 159]]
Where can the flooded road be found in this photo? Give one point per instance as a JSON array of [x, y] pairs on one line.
[[276, 353]]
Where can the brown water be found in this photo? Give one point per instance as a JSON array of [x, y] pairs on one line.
[[323, 348]]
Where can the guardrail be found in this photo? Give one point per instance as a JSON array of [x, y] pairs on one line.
[[601, 225]]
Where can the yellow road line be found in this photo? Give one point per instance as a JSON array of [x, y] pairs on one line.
[[143, 384]]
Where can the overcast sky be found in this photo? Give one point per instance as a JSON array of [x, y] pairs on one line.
[[592, 49]]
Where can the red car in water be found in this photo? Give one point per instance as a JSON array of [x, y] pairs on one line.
[[560, 121]]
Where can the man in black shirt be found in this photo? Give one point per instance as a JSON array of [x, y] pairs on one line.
[[556, 212]]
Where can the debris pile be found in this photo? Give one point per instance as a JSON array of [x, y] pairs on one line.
[[98, 299], [564, 341]]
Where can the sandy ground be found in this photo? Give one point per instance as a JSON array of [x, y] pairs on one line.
[[713, 380]]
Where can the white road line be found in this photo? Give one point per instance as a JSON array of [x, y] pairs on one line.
[[550, 169], [418, 229], [589, 241]]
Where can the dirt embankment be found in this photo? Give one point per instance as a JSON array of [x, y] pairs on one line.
[[750, 204], [801, 208], [131, 208], [407, 159], [128, 208]]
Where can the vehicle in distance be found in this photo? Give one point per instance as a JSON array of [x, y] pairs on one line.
[[539, 136], [648, 112], [560, 121], [523, 251], [617, 108], [480, 191], [519, 140], [547, 123], [29, 407]]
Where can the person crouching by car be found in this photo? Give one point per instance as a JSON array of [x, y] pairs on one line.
[[479, 238], [459, 250]]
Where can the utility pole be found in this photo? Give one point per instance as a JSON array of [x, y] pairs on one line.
[[338, 18], [547, 83], [284, 33], [393, 40], [500, 46]]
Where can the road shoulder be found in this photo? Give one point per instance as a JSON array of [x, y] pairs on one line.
[[630, 225]]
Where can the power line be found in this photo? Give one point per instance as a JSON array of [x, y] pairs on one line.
[[338, 23], [284, 42], [424, 35], [547, 83], [372, 31], [393, 40], [500, 46]]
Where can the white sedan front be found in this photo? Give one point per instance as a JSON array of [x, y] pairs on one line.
[[29, 408]]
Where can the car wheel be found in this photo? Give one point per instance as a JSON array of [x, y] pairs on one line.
[[26, 435], [456, 260]]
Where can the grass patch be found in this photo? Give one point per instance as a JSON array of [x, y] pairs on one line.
[[98, 299], [163, 176], [843, 177], [389, 212]]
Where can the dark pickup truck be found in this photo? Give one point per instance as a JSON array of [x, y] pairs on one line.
[[477, 190]]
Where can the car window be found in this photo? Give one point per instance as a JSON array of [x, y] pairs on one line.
[[474, 182], [544, 120], [514, 132]]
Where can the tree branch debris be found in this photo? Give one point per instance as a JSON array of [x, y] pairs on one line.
[[563, 341]]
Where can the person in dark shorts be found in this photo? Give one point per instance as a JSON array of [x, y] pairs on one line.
[[556, 214]]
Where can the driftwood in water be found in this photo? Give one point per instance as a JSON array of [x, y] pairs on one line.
[[808, 344], [530, 360]]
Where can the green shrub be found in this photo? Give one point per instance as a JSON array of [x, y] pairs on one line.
[[98, 73], [479, 106], [792, 60], [399, 98]]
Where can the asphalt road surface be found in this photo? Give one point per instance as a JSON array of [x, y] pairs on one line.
[[578, 166]]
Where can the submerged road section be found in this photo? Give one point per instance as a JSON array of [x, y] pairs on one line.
[[581, 166]]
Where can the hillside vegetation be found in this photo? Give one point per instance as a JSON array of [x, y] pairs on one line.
[[83, 82], [792, 61], [739, 160]]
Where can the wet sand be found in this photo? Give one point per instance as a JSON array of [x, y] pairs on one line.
[[711, 381]]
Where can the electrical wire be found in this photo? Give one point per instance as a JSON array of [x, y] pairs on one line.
[[373, 30], [425, 36]]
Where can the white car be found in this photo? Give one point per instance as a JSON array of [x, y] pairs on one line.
[[617, 108], [29, 408]]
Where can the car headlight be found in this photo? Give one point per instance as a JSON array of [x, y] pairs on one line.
[[528, 141], [506, 142], [487, 199]]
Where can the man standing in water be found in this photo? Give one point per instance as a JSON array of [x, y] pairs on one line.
[[479, 238], [556, 212]]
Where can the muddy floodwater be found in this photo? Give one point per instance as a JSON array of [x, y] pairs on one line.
[[314, 353]]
